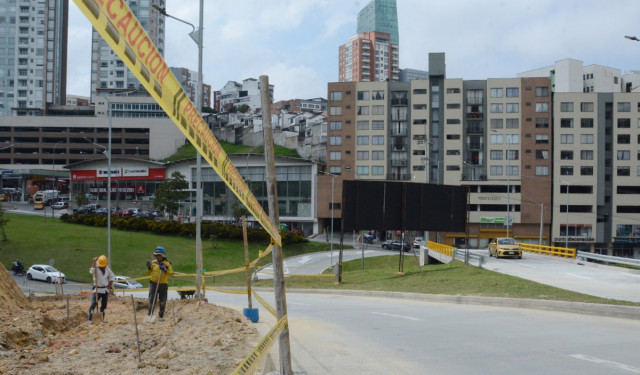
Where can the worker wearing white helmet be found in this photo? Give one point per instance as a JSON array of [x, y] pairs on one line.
[[103, 279], [160, 270]]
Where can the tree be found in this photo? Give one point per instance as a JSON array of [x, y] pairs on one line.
[[170, 192], [244, 108], [238, 210], [82, 199], [3, 221]]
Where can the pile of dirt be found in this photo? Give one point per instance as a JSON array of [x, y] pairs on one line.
[[11, 297], [50, 335]]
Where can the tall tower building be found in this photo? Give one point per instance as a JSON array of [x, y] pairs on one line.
[[33, 56], [373, 53], [381, 16], [109, 74]]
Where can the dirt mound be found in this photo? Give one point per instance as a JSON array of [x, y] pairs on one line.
[[51, 338], [11, 297]]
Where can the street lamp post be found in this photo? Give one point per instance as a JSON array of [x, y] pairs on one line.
[[508, 181], [333, 177], [196, 36], [53, 177]]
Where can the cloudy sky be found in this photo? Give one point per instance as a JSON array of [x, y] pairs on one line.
[[295, 42]]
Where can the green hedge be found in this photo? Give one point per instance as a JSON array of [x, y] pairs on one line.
[[174, 228]]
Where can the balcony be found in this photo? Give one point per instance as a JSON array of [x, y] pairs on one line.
[[398, 177], [399, 132], [475, 116], [399, 146], [401, 101], [399, 163], [475, 146]]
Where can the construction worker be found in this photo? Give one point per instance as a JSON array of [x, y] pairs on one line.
[[160, 270], [103, 279]]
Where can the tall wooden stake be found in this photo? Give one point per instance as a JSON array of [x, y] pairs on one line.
[[276, 254], [246, 259]]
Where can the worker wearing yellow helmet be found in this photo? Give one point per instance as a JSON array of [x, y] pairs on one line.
[[103, 279]]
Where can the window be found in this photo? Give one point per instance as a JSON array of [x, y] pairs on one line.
[[335, 140], [496, 123], [377, 171], [542, 154], [377, 140], [495, 170], [513, 171], [623, 171], [566, 107], [513, 123], [624, 123], [378, 110], [335, 155], [586, 123], [513, 107], [496, 108], [419, 91], [377, 125], [363, 110], [453, 91], [542, 170], [335, 170], [586, 154], [566, 123], [419, 106], [542, 138], [542, 91], [377, 155], [624, 139], [586, 171], [542, 123], [362, 140], [624, 154], [336, 125], [513, 139], [362, 170], [624, 107], [513, 154], [566, 155], [513, 92], [453, 136], [496, 93], [362, 155], [335, 111], [586, 107], [586, 139], [566, 139], [335, 95], [496, 139], [495, 154], [363, 95], [566, 170], [363, 125], [542, 107], [377, 95]]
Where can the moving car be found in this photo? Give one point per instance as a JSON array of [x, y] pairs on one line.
[[124, 282], [60, 205], [417, 242], [505, 246], [44, 272], [396, 245]]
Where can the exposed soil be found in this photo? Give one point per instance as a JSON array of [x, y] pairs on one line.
[[41, 335]]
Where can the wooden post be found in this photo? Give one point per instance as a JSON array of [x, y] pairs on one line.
[[276, 254], [246, 259]]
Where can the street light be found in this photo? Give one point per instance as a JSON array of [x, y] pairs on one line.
[[53, 167], [333, 177], [632, 38], [196, 36]]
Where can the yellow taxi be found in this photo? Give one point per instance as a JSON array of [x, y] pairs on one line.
[[38, 206], [505, 247]]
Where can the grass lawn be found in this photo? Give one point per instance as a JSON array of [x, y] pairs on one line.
[[73, 246]]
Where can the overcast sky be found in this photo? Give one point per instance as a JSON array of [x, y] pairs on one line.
[[295, 42]]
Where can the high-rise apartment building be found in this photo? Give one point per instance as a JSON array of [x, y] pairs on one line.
[[109, 74], [33, 56], [559, 167], [373, 53], [189, 82]]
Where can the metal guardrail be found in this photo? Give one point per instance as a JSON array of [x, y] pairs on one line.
[[608, 258], [548, 250], [461, 255]]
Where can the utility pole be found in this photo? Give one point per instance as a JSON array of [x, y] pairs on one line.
[[276, 254]]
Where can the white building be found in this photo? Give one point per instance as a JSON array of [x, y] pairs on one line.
[[235, 94]]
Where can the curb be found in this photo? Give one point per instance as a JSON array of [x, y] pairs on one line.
[[612, 311]]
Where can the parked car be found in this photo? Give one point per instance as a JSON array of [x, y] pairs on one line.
[[144, 215], [60, 205], [417, 242], [101, 211], [396, 245], [124, 282], [505, 246], [45, 273], [86, 209]]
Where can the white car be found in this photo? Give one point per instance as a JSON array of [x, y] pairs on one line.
[[60, 205], [417, 242], [45, 273], [124, 282]]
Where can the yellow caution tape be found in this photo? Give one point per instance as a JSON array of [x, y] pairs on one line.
[[250, 363], [264, 303]]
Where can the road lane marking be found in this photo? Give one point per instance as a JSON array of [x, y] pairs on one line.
[[604, 362], [397, 316], [579, 276]]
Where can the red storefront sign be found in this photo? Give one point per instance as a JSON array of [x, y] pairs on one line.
[[91, 175]]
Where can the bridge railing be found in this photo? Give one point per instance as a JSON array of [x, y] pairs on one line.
[[548, 250], [609, 259], [441, 248]]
